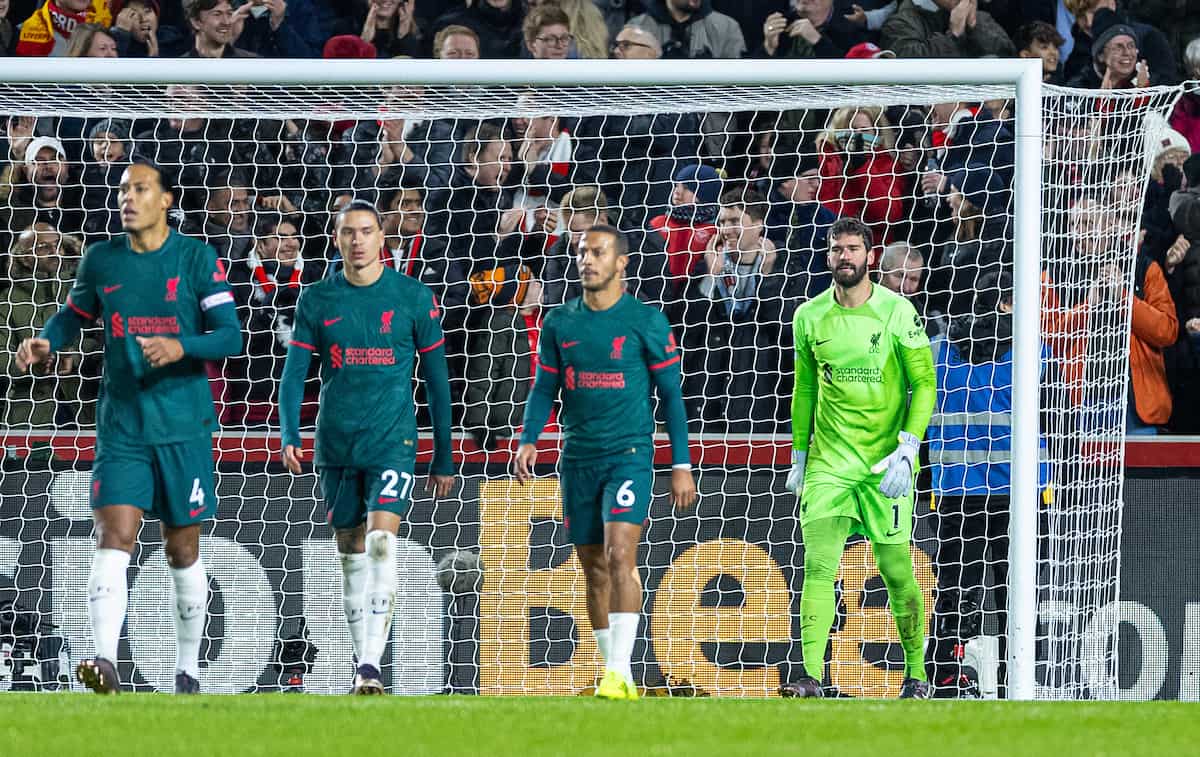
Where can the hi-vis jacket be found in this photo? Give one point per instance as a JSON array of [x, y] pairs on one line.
[[970, 435]]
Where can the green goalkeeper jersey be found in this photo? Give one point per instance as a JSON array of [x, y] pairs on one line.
[[854, 370]]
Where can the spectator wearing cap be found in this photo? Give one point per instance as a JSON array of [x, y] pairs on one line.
[[389, 25], [1093, 18], [691, 221], [1116, 60], [496, 23], [799, 224], [858, 169], [691, 29], [1186, 117], [92, 41], [944, 29], [504, 327], [1039, 39], [106, 156], [820, 30], [868, 51], [1166, 152], [48, 31], [52, 193]]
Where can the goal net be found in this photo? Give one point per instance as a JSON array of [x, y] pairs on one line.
[[726, 193]]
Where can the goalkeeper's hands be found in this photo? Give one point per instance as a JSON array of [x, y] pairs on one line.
[[898, 479], [795, 479]]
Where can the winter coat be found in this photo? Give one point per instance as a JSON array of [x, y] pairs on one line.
[[1179, 21], [707, 34], [1185, 213], [912, 32], [869, 187], [804, 255], [957, 265], [26, 303], [499, 372]]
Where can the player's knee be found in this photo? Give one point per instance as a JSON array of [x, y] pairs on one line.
[[381, 546], [184, 555], [620, 558], [110, 536]]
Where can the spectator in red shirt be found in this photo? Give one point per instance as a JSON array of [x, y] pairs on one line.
[[859, 175]]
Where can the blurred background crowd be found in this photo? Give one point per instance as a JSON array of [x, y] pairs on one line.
[[726, 213]]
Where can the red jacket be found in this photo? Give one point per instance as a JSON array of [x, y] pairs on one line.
[[874, 191], [685, 244]]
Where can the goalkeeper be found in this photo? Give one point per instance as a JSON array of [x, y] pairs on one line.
[[860, 350]]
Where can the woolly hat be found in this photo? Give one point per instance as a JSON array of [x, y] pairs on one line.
[[1107, 26], [348, 46], [117, 127], [790, 165], [703, 180]]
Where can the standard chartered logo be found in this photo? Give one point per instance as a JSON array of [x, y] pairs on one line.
[[865, 375]]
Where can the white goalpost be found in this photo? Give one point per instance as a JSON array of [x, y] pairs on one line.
[[722, 583]]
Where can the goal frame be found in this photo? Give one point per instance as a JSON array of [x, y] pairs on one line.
[[1024, 75]]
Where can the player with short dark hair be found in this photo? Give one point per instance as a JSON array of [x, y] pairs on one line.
[[367, 323], [603, 351], [166, 309], [860, 350]]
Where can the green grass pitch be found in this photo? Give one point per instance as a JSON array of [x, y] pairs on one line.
[[155, 725]]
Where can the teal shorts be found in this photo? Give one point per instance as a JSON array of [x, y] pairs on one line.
[[172, 482], [351, 493], [879, 518], [611, 489]]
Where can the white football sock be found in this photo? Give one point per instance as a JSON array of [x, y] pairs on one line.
[[354, 596], [381, 593], [108, 596], [602, 641], [191, 605], [622, 629]]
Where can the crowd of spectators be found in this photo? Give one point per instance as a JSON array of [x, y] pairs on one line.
[[726, 214]]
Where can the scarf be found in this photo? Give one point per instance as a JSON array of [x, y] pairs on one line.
[[694, 215], [265, 283]]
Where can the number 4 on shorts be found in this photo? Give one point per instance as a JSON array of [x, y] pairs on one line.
[[196, 499]]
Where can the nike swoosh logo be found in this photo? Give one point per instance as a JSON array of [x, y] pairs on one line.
[[892, 533], [194, 513], [332, 321], [387, 500], [568, 345], [620, 510], [113, 288], [819, 342]]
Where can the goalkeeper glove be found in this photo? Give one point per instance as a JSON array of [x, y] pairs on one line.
[[897, 481], [795, 479]]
